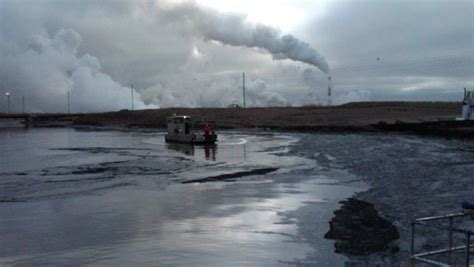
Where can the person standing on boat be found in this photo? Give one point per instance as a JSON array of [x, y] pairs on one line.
[[207, 131]]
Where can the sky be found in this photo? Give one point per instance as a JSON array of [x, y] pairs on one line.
[[193, 53]]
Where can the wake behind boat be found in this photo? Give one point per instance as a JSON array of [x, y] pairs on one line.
[[181, 129]]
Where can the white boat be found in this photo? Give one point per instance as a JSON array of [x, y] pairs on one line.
[[181, 129], [468, 105]]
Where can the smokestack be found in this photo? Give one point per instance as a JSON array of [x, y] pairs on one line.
[[329, 91]]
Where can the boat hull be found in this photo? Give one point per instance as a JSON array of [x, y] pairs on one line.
[[191, 139]]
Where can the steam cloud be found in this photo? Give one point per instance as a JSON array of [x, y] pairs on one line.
[[235, 30], [214, 92], [50, 68], [43, 56]]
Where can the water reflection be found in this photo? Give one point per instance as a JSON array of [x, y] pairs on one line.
[[6, 131], [244, 148], [186, 149], [210, 150], [11, 123]]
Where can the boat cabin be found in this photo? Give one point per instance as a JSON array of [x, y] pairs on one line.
[[178, 125]]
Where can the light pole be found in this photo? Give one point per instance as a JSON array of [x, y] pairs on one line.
[[131, 87], [8, 100], [68, 102], [243, 87]]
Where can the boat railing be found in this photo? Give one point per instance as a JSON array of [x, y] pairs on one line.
[[430, 222]]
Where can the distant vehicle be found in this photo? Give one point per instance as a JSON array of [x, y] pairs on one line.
[[468, 105], [234, 105], [181, 129]]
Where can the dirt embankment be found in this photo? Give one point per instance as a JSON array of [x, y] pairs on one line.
[[426, 118], [349, 115]]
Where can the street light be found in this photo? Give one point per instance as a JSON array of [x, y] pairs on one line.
[[8, 99]]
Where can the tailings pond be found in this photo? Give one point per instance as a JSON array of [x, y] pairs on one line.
[[80, 197]]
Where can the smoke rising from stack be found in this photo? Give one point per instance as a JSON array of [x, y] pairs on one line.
[[235, 30], [316, 83], [214, 92]]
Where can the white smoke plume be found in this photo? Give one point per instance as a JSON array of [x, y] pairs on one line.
[[235, 30], [353, 96], [211, 92], [93, 50], [50, 68]]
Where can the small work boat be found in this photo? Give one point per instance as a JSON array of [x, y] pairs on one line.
[[181, 129]]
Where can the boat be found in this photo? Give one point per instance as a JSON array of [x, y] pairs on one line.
[[181, 129]]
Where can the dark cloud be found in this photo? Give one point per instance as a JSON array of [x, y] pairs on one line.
[[398, 49]]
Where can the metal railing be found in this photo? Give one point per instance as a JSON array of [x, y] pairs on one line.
[[423, 256]]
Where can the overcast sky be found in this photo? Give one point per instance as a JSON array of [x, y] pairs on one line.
[[185, 53]]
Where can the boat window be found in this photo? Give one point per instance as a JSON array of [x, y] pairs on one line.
[[186, 128]]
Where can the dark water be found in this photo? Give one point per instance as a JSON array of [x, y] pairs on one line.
[[116, 198]]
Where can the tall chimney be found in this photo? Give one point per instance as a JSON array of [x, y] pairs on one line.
[[329, 91]]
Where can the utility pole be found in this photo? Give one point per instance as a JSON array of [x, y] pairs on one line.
[[23, 104], [68, 103], [8, 101], [243, 86], [132, 96]]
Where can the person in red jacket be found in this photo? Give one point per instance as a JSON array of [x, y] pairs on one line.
[[207, 130]]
